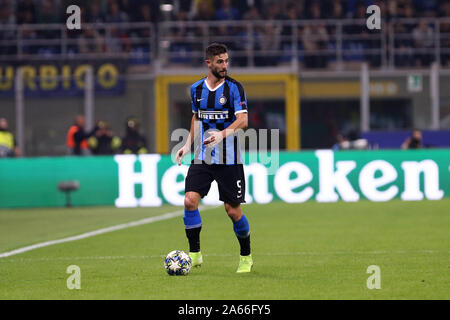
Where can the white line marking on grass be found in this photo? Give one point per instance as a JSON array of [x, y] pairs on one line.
[[165, 216]]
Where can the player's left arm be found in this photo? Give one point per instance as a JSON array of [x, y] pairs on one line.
[[216, 137], [241, 121]]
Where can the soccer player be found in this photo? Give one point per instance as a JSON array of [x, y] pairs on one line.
[[219, 107]]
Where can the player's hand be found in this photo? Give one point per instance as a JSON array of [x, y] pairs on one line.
[[214, 139], [180, 154]]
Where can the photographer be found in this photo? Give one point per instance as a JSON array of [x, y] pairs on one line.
[[103, 142], [133, 142], [8, 147], [413, 142], [76, 141]]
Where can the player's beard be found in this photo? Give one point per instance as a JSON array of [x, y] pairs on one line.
[[218, 75]]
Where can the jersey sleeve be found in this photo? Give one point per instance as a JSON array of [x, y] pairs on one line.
[[239, 99], [194, 104]]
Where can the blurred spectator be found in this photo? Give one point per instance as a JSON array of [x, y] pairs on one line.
[[224, 32], [273, 11], [414, 141], [338, 10], [445, 41], [184, 5], [8, 146], [28, 34], [242, 43], [392, 8], [351, 142], [408, 12], [423, 36], [95, 14], [24, 8], [252, 14], [351, 8], [181, 33], [384, 12], [315, 38], [90, 41], [133, 142], [404, 46], [357, 27], [145, 14], [244, 6], [7, 17], [127, 7], [315, 12], [204, 10], [117, 40], [104, 142], [268, 42], [294, 12], [48, 12], [428, 8], [227, 11], [181, 30], [76, 140], [445, 9], [342, 143], [363, 41], [115, 15]]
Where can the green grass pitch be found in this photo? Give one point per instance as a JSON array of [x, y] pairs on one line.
[[300, 251]]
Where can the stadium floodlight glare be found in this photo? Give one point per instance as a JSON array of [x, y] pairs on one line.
[[67, 187], [166, 7]]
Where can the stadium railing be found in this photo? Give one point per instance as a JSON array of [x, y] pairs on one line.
[[133, 41], [310, 43]]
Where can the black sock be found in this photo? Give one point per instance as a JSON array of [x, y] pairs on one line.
[[193, 236], [245, 245]]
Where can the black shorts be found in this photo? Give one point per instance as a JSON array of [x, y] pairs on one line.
[[230, 179]]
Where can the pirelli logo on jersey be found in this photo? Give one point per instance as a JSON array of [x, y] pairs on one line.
[[213, 115]]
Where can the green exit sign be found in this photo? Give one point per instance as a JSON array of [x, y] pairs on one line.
[[415, 83]]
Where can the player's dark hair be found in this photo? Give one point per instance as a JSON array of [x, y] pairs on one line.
[[215, 49]]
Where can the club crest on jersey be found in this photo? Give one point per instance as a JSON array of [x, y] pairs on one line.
[[212, 115], [222, 100]]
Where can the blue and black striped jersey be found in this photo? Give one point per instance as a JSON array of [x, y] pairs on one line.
[[216, 109]]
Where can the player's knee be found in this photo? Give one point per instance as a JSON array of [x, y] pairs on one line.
[[232, 206], [234, 216], [233, 211], [190, 202]]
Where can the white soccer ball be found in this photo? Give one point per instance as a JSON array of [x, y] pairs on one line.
[[178, 263]]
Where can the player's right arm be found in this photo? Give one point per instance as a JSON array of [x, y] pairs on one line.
[[193, 132], [191, 137]]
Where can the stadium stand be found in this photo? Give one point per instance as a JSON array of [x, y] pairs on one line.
[[320, 32]]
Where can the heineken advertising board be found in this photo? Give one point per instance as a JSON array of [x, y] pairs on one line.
[[153, 180]]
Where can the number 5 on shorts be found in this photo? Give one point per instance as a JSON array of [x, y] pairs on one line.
[[238, 183]]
